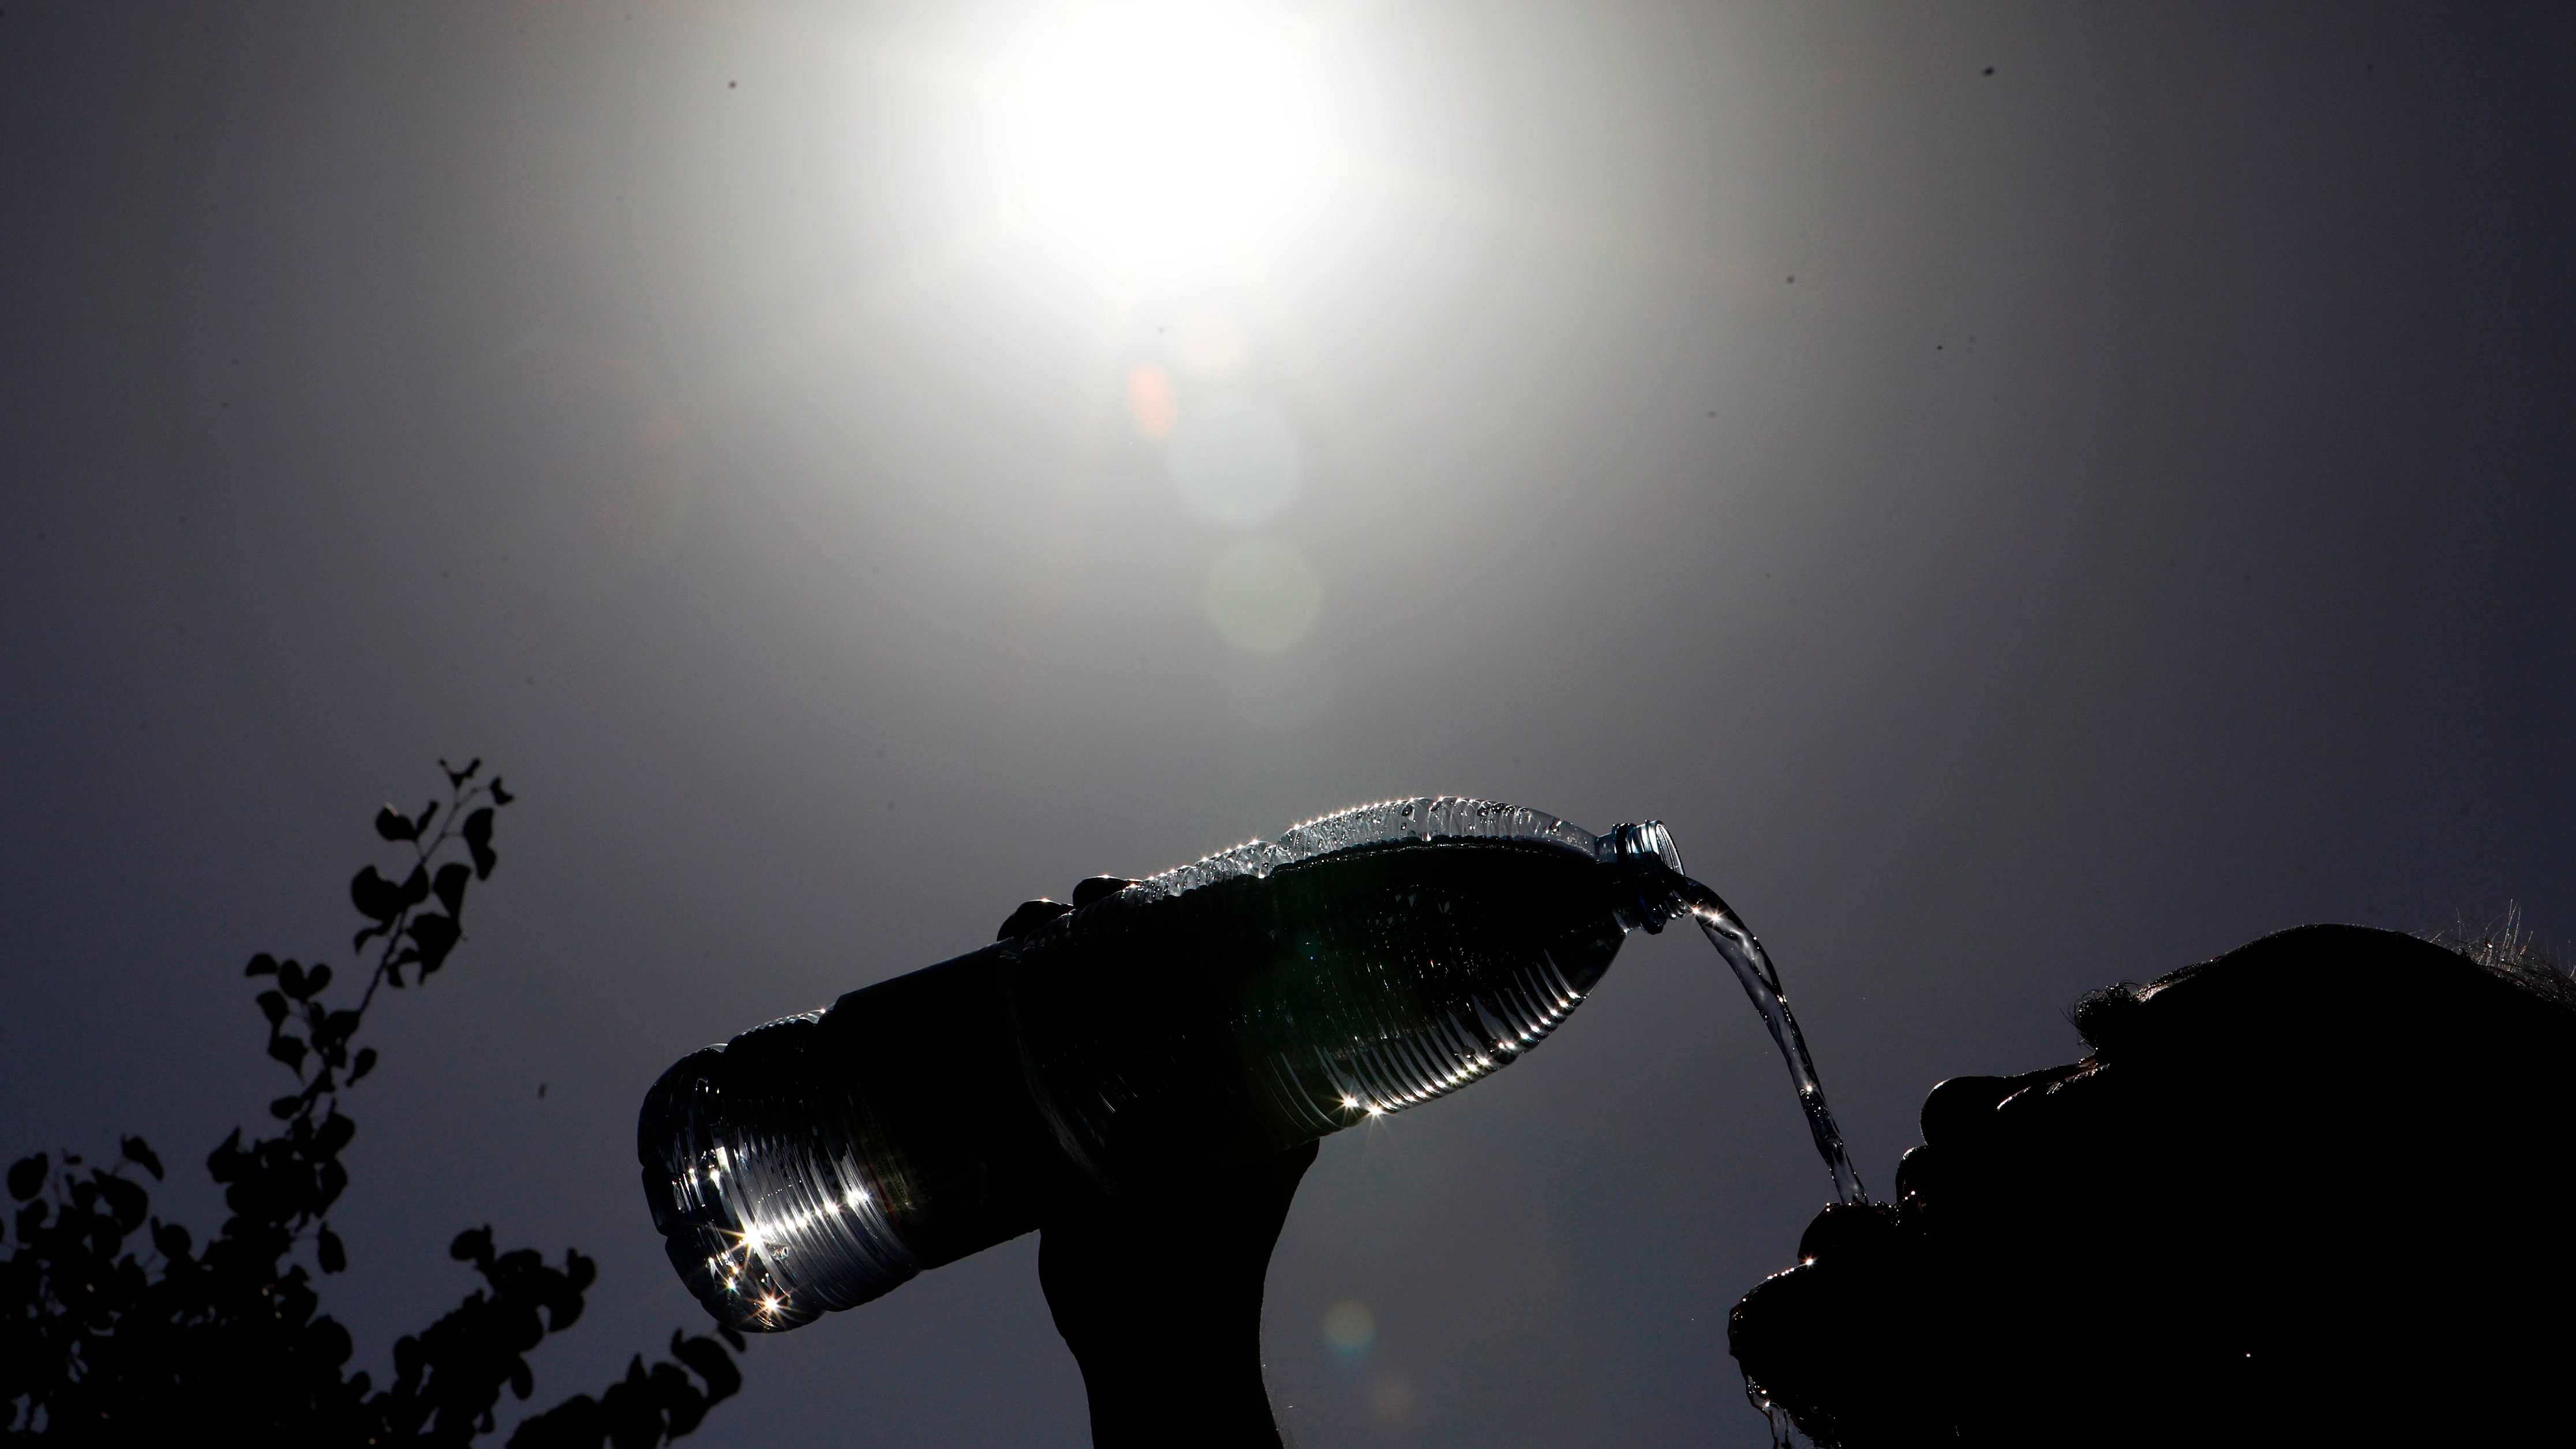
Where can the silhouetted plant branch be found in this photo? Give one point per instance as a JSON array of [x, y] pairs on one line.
[[102, 1344]]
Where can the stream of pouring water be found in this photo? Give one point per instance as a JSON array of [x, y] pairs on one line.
[[1761, 980], [1743, 951]]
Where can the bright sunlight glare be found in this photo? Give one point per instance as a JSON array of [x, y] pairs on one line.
[[1151, 133]]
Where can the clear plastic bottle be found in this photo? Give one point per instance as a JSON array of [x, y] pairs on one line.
[[1365, 962]]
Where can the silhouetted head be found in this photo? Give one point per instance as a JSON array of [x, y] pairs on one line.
[[2315, 1188]]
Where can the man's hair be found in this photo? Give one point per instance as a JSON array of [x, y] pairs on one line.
[[2504, 947], [2512, 952]]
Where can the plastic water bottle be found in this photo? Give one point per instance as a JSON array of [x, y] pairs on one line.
[[1363, 963]]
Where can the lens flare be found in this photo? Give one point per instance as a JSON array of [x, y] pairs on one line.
[[1349, 1326], [1151, 404], [1235, 460], [1263, 596]]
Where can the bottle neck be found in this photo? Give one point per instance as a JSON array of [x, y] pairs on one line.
[[1647, 866]]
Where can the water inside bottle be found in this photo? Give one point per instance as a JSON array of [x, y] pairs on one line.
[[1272, 1009]]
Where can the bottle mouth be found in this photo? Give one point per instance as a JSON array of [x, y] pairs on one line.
[[1646, 862]]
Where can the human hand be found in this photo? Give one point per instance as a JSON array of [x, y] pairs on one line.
[[1157, 1291]]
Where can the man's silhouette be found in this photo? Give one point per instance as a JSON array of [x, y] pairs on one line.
[[2315, 1191]]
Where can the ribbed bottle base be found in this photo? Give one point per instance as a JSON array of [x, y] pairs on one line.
[[765, 1210]]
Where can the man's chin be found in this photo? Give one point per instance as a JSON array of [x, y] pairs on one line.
[[1887, 1335], [1832, 1340]]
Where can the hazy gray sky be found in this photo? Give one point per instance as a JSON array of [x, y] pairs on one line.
[[854, 467]]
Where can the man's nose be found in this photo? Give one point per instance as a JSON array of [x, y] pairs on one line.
[[1959, 1122]]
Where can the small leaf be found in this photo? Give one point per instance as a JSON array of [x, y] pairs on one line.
[[478, 842], [290, 979], [272, 1004], [364, 1063], [139, 1151], [474, 1245], [172, 1240], [677, 1398], [127, 1202], [435, 935], [224, 1163], [283, 1108], [262, 964], [415, 887], [27, 1176], [450, 886], [316, 979], [456, 776], [711, 1362], [336, 1132], [499, 795], [326, 1246], [288, 1049], [428, 813], [375, 897], [392, 824]]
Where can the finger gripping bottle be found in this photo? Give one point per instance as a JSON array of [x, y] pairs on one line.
[[1365, 962]]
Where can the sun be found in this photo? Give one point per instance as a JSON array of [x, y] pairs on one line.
[[1149, 134]]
